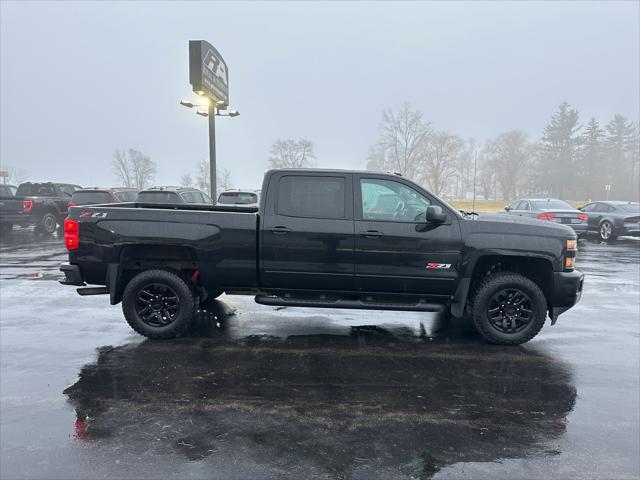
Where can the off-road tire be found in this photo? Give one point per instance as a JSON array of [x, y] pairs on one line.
[[188, 303], [601, 231], [493, 285], [47, 225]]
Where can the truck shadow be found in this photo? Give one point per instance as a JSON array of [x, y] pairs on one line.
[[376, 402]]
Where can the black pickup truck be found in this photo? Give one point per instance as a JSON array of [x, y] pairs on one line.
[[43, 205], [325, 238]]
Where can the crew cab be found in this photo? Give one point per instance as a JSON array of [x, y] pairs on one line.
[[44, 205], [325, 238]]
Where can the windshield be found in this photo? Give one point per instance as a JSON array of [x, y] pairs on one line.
[[237, 198], [551, 205], [631, 207]]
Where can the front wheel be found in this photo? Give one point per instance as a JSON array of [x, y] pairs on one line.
[[509, 309], [606, 231], [159, 304]]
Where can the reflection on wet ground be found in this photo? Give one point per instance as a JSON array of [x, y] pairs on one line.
[[259, 392]]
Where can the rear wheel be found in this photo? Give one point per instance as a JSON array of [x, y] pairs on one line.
[[606, 231], [47, 224], [158, 304], [509, 309]]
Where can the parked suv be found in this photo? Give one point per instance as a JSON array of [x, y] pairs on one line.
[[173, 195], [45, 204], [94, 196]]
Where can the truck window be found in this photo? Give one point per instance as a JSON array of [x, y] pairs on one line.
[[126, 195], [159, 197], [311, 196], [88, 198], [389, 200], [192, 197]]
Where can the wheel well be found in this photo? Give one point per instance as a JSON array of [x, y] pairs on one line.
[[137, 258], [538, 270]]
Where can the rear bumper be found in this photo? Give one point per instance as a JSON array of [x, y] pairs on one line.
[[72, 275], [629, 231], [567, 290], [579, 228]]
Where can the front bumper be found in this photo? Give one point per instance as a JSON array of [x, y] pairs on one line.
[[567, 290], [72, 275]]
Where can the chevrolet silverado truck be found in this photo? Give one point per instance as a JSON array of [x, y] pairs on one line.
[[325, 238]]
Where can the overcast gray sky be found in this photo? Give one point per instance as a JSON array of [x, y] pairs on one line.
[[79, 80]]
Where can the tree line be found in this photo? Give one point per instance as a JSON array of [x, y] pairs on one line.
[[569, 160]]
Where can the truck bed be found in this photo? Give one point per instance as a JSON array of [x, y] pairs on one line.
[[213, 239]]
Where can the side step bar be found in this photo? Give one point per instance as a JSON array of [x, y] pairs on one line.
[[420, 306], [92, 291]]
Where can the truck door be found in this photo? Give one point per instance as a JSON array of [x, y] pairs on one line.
[[306, 237], [396, 250]]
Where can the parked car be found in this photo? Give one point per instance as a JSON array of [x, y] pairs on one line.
[[550, 209], [173, 195], [10, 208], [246, 198], [93, 196], [44, 205], [318, 240], [611, 219]]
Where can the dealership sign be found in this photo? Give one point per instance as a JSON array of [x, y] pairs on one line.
[[208, 72]]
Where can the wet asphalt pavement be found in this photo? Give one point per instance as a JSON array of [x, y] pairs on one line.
[[262, 392]]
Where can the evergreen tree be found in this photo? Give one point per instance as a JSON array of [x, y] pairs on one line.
[[558, 153], [592, 161], [620, 152]]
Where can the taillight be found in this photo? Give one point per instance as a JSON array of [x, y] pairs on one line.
[[546, 216], [71, 234], [27, 205], [71, 204], [583, 217]]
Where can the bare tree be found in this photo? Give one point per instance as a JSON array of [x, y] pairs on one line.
[[15, 175], [400, 146], [486, 176], [510, 155], [133, 168], [442, 152], [291, 153], [203, 177], [186, 180], [224, 181]]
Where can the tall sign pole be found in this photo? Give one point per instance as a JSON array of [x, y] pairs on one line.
[[209, 77], [212, 152]]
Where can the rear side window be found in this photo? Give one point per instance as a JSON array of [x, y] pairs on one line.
[[126, 196], [88, 198], [311, 197], [159, 197], [192, 197], [7, 190]]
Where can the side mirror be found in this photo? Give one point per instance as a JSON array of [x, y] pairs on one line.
[[435, 214], [507, 208]]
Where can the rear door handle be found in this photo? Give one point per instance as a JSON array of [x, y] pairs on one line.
[[279, 230], [371, 233]]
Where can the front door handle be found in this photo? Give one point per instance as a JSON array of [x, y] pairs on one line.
[[279, 230], [371, 234]]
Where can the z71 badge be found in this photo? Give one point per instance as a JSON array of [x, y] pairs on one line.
[[431, 266]]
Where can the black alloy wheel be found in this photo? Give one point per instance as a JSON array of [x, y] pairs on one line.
[[157, 305], [510, 310]]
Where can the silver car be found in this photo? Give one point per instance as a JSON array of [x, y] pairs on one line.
[[550, 209]]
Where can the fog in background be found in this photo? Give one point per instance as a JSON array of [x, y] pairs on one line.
[[82, 80]]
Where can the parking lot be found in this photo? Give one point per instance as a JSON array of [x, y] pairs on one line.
[[264, 392]]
